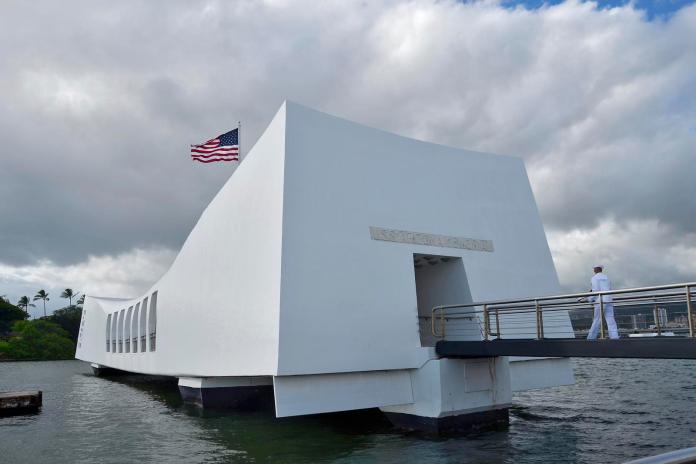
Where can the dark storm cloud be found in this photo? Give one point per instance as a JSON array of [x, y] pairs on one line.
[[102, 99]]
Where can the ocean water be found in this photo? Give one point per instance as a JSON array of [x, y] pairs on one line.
[[616, 411]]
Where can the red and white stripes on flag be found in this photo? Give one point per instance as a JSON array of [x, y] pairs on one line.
[[224, 147]]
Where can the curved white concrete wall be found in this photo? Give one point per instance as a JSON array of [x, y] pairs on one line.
[[352, 299], [217, 307], [280, 275]]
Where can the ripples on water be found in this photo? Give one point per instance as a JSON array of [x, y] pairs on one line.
[[618, 410]]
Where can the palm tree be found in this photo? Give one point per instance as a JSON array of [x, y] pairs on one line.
[[68, 293], [42, 295], [81, 300], [24, 303]]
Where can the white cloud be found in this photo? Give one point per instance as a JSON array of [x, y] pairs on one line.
[[124, 275], [600, 103], [634, 254]]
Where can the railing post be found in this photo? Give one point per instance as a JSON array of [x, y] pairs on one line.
[[442, 322], [690, 311], [486, 323], [601, 317], [497, 324], [537, 309]]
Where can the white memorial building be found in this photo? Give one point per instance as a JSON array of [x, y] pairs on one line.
[[308, 281]]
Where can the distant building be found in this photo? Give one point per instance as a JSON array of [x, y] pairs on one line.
[[639, 322], [661, 317], [682, 321]]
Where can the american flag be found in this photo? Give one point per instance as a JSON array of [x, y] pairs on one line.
[[224, 147]]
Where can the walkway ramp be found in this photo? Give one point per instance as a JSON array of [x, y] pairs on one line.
[[650, 321], [654, 348]]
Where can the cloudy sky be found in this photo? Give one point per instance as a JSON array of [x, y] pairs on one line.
[[101, 99]]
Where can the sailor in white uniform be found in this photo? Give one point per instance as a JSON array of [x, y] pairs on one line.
[[601, 283]]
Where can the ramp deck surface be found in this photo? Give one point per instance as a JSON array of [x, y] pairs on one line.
[[652, 348]]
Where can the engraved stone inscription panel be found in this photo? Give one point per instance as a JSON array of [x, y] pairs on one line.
[[419, 238]]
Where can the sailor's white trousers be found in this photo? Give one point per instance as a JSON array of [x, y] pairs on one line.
[[608, 316]]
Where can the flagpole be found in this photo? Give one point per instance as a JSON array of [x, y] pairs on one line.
[[239, 140]]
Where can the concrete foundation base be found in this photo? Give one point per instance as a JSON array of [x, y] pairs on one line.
[[456, 424], [103, 371], [237, 393], [456, 396]]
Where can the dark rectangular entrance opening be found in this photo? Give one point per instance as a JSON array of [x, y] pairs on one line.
[[441, 280]]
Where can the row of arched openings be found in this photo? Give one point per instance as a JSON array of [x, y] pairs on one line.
[[133, 330]]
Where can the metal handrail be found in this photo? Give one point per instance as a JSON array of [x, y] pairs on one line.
[[682, 456], [570, 295], [658, 294]]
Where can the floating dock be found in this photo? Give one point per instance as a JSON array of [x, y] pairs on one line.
[[21, 402]]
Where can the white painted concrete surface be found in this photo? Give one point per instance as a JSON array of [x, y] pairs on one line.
[[310, 394], [280, 276], [224, 382], [447, 387]]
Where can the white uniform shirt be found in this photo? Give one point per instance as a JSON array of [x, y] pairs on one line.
[[601, 283]]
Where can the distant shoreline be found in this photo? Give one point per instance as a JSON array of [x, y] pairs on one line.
[[36, 360]]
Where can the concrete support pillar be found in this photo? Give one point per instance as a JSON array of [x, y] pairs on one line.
[[240, 393], [455, 396], [103, 371]]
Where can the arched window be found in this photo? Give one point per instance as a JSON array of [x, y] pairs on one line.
[[108, 332], [143, 326], [127, 329], [121, 319], [82, 328], [134, 329], [152, 324], [114, 333]]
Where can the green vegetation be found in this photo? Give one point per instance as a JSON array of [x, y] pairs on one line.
[[39, 339], [9, 314], [48, 338], [69, 294], [42, 295], [68, 319], [25, 303]]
